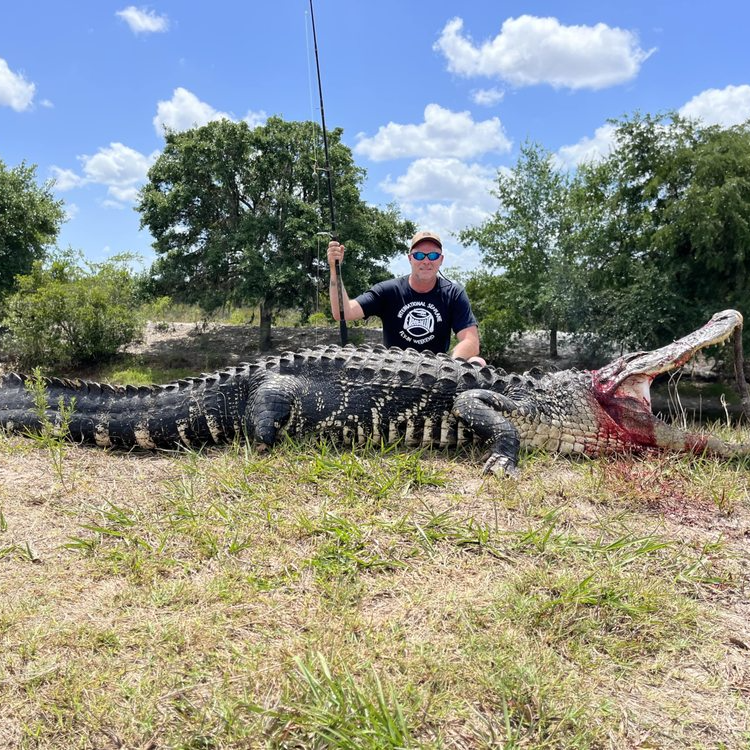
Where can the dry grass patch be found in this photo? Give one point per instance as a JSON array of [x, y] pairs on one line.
[[314, 597]]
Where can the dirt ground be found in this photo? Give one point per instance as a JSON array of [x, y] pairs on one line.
[[217, 344]]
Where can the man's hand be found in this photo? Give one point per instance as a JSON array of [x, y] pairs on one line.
[[335, 253]]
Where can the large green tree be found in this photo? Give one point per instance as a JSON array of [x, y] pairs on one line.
[[667, 229], [636, 247], [30, 220], [236, 217], [527, 242]]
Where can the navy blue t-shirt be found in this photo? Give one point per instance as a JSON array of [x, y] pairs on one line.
[[416, 320]]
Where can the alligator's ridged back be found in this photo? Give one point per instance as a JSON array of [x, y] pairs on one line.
[[380, 365]]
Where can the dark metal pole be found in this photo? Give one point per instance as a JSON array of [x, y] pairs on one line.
[[337, 266]]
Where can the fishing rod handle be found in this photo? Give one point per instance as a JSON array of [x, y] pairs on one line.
[[343, 331]]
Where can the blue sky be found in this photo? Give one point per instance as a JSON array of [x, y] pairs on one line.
[[434, 97]]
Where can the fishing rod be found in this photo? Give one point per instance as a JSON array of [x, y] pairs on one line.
[[337, 266]]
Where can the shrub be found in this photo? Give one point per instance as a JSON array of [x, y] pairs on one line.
[[319, 320], [241, 316], [69, 312]]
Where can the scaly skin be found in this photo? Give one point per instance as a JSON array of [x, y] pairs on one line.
[[354, 394]]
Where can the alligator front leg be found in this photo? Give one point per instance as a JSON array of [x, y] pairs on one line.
[[482, 412], [269, 412]]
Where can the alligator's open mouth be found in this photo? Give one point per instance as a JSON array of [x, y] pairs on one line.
[[623, 391], [630, 376]]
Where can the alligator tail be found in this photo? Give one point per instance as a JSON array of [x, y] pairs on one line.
[[194, 411]]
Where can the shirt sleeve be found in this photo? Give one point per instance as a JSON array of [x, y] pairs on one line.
[[371, 301]]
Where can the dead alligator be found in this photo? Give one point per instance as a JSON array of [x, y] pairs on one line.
[[356, 394]]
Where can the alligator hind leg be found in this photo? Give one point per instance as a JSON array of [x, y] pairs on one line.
[[483, 412]]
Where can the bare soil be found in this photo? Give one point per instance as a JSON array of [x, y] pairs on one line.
[[213, 345]]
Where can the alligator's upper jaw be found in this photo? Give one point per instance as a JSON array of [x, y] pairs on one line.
[[631, 375]]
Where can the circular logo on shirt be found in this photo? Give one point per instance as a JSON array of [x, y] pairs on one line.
[[419, 322]]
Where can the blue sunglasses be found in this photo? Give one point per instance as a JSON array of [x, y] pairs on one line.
[[419, 255]]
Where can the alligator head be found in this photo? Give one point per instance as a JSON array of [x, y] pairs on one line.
[[622, 389]]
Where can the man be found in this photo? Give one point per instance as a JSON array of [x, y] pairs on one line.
[[418, 311]]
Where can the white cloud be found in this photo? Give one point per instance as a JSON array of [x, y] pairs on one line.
[[530, 50], [445, 195], [142, 20], [116, 165], [66, 179], [121, 168], [726, 107], [447, 219], [587, 149], [487, 97], [185, 110], [443, 133], [124, 193], [444, 180], [109, 203], [254, 119], [15, 91]]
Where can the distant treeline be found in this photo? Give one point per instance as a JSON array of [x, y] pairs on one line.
[[635, 247]]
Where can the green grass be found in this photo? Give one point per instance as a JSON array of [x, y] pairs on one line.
[[140, 374], [319, 597], [323, 709]]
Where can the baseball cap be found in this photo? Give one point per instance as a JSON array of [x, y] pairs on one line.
[[421, 236]]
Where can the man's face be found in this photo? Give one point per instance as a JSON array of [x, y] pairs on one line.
[[425, 269]]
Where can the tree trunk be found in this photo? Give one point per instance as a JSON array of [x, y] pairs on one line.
[[266, 318], [553, 342], [739, 372]]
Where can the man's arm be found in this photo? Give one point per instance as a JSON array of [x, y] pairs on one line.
[[468, 345], [352, 309]]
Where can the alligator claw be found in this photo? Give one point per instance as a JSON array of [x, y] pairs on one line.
[[501, 466]]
